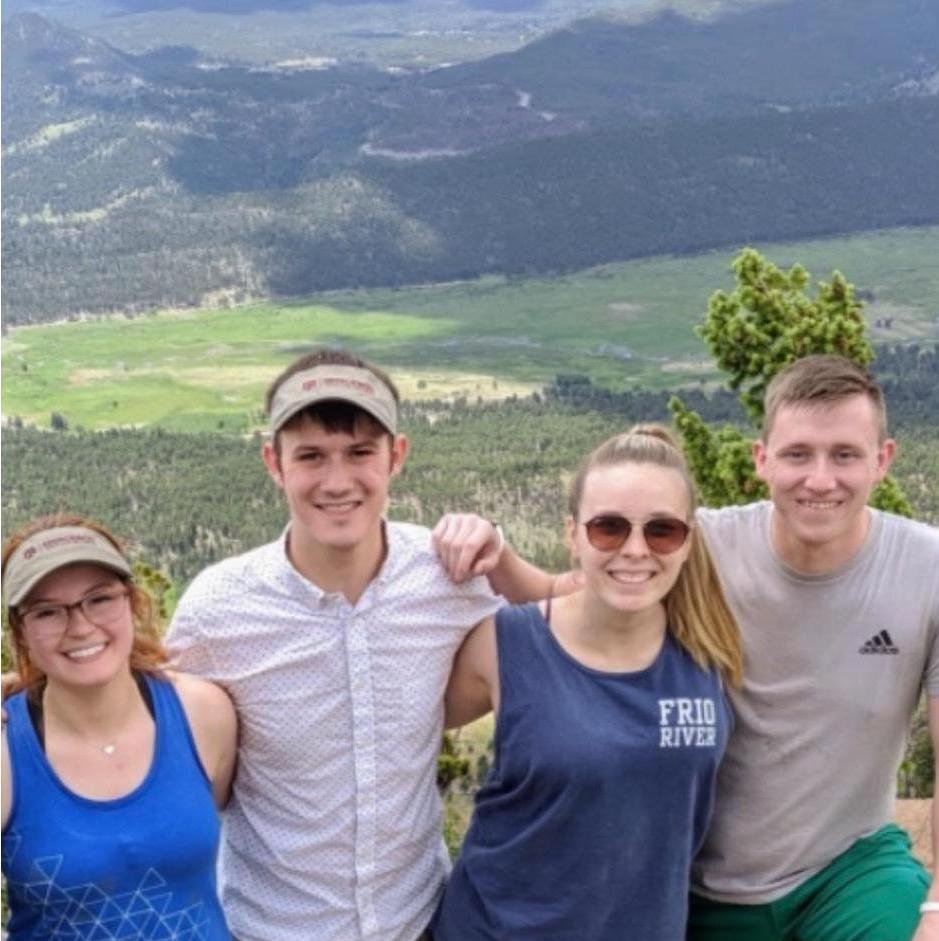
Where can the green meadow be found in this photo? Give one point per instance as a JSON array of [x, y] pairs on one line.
[[626, 324]]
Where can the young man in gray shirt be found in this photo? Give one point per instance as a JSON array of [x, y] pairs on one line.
[[838, 605]]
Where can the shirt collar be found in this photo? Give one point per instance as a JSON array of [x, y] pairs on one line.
[[293, 581]]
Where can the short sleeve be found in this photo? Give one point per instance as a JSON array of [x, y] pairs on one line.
[[477, 600], [188, 638]]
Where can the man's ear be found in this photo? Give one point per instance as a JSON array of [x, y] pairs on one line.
[[758, 450], [885, 455], [400, 448], [272, 463]]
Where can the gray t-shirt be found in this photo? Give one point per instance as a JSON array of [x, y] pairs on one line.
[[834, 665]]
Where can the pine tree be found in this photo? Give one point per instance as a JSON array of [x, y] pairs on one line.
[[767, 322]]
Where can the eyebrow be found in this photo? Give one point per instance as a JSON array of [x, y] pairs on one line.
[[88, 591], [654, 515], [828, 446]]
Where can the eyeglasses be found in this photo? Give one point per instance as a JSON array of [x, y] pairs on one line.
[[664, 534], [100, 608]]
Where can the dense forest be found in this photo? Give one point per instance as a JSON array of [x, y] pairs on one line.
[[536, 207], [909, 375], [187, 500]]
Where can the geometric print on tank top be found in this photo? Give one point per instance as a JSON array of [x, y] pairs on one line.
[[139, 866], [85, 911]]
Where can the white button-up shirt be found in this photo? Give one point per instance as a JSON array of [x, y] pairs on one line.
[[334, 829]]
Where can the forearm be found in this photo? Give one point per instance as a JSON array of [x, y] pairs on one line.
[[469, 544], [928, 929], [933, 894], [518, 580]]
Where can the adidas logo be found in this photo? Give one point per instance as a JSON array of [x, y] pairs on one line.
[[880, 643]]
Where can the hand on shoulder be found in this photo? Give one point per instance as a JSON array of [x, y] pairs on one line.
[[467, 544]]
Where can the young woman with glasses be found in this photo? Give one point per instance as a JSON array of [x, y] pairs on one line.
[[611, 720], [113, 767]]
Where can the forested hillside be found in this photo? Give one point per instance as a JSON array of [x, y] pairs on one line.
[[187, 500], [134, 182]]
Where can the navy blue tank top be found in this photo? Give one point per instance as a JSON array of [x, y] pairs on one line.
[[141, 866], [599, 795]]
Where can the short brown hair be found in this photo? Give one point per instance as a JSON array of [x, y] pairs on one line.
[[822, 380], [333, 416], [147, 655], [699, 616]]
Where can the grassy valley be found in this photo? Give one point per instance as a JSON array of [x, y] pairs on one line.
[[627, 325]]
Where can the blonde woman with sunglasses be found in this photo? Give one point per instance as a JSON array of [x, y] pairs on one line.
[[611, 720], [112, 767]]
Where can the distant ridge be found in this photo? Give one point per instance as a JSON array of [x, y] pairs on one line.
[[798, 53], [139, 181]]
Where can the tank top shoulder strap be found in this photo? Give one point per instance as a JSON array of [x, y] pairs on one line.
[[525, 649], [21, 737], [17, 710], [30, 772], [519, 627]]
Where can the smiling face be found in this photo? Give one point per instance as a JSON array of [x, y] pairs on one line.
[[821, 463], [335, 482], [83, 652], [633, 578]]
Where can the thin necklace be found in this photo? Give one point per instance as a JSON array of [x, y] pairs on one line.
[[108, 748]]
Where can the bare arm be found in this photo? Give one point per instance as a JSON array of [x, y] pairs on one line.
[[7, 781], [473, 689], [469, 545], [214, 727], [928, 929], [519, 581]]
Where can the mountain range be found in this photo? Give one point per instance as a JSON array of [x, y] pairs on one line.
[[164, 179]]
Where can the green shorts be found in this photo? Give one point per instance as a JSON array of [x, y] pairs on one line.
[[872, 892]]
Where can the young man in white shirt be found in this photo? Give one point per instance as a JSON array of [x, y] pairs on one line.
[[335, 643], [838, 607]]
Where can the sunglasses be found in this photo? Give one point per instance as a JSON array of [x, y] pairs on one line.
[[609, 532]]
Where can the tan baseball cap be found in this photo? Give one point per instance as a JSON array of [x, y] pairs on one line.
[[334, 383], [46, 551]]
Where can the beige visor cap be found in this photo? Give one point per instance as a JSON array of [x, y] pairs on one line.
[[334, 383], [46, 551]]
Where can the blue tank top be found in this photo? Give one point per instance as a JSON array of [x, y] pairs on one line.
[[599, 795], [141, 866]]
